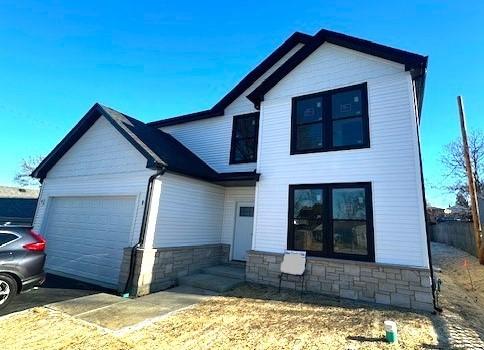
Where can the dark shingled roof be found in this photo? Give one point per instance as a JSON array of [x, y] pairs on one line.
[[17, 210], [165, 148], [159, 148]]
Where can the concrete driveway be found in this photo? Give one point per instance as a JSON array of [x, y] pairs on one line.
[[115, 313], [54, 289], [103, 307]]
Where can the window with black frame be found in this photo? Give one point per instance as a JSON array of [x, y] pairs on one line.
[[307, 218], [245, 131], [331, 120], [331, 220]]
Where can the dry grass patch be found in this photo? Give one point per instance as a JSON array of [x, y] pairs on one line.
[[231, 322], [42, 329]]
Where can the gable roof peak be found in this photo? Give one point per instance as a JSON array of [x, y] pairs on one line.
[[415, 63], [246, 82]]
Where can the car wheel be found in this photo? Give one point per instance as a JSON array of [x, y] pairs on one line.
[[8, 290]]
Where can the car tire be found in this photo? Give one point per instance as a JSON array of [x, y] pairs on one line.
[[8, 290]]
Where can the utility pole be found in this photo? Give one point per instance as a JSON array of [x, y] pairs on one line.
[[472, 183]]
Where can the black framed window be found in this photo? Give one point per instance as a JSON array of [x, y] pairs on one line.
[[332, 220], [245, 130], [330, 120]]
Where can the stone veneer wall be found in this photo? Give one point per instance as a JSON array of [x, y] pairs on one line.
[[158, 268], [372, 282]]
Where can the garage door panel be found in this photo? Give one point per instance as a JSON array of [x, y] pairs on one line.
[[86, 233], [86, 236], [84, 240], [89, 265], [84, 247]]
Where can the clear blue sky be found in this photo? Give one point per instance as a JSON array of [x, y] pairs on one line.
[[162, 58]]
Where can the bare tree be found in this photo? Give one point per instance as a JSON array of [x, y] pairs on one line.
[[28, 165], [453, 160], [461, 200]]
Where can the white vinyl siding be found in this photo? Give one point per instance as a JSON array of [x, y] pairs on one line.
[[101, 150], [101, 163], [390, 164], [210, 139], [232, 196], [190, 212]]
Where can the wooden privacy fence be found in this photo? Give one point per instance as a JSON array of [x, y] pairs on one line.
[[458, 234]]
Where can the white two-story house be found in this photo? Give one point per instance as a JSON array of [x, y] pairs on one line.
[[316, 149]]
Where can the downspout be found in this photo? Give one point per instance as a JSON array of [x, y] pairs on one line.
[[429, 250], [128, 289]]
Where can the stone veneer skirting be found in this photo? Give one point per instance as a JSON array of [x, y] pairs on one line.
[[158, 268], [372, 282]]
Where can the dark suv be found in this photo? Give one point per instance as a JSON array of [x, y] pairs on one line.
[[22, 260]]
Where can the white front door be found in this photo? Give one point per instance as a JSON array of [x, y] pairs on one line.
[[244, 224]]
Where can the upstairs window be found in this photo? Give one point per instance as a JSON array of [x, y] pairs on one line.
[[245, 132], [330, 121]]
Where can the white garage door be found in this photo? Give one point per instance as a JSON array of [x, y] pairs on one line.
[[86, 236]]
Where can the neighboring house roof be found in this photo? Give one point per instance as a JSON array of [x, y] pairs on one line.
[[18, 210], [414, 63], [458, 209], [242, 86], [17, 192], [159, 148]]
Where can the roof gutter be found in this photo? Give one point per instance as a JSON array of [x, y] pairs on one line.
[[128, 289]]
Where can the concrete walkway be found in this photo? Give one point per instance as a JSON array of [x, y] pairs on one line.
[[116, 313]]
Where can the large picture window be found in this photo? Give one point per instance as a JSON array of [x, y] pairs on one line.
[[245, 131], [332, 220], [330, 121]]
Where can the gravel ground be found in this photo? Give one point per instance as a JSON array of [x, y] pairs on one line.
[[461, 297]]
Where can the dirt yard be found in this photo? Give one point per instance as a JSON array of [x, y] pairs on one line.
[[245, 319], [253, 317]]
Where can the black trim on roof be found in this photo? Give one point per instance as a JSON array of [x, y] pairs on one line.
[[244, 84], [415, 63], [75, 134], [159, 148], [241, 178]]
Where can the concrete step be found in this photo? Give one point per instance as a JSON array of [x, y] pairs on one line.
[[237, 263], [219, 284], [228, 270]]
